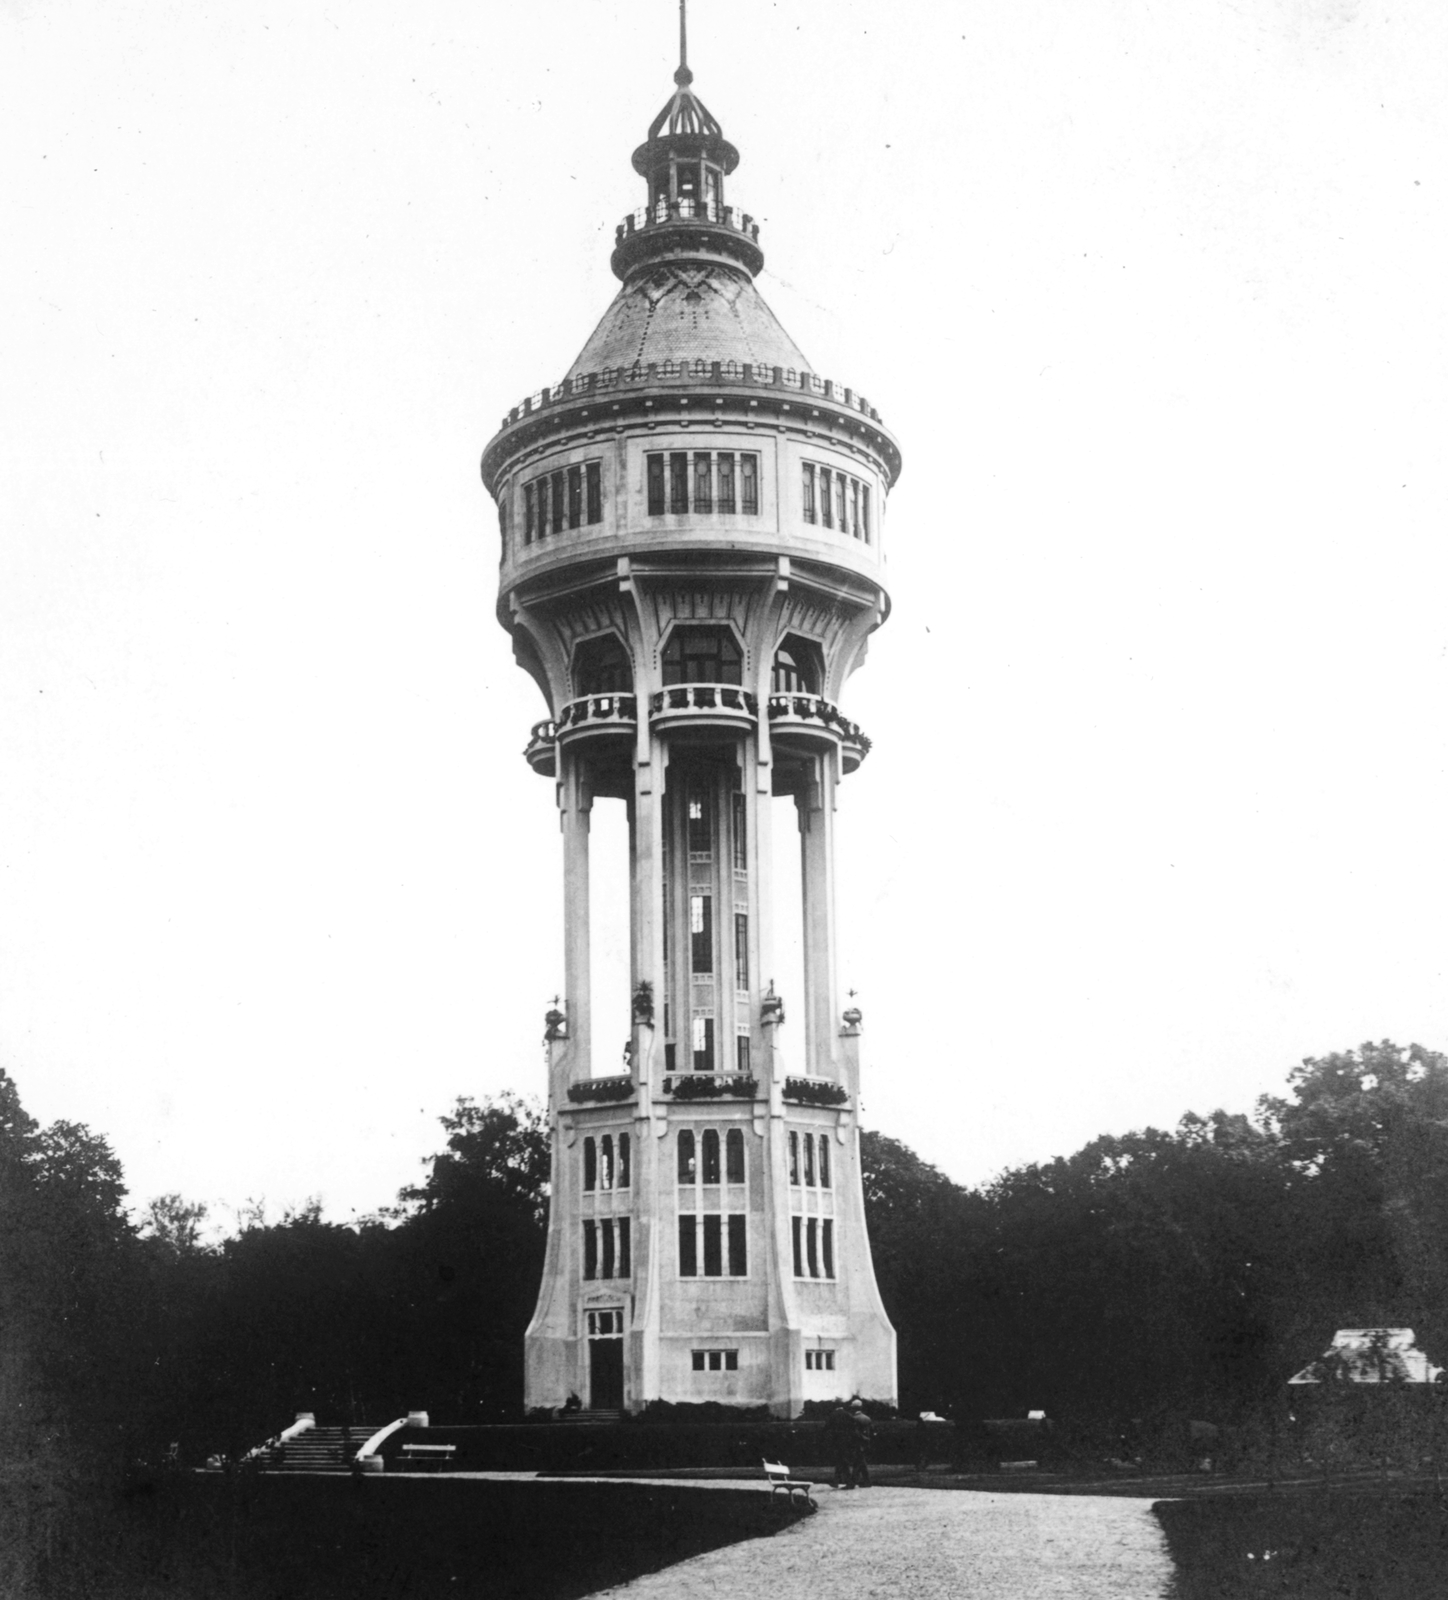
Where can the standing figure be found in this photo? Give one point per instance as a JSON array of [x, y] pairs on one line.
[[840, 1433], [862, 1433]]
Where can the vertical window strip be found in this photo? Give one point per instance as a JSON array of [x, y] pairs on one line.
[[703, 481], [734, 1156], [811, 1246], [530, 512], [605, 1162], [686, 1156], [796, 1228], [590, 1165], [593, 472], [688, 1247], [865, 511], [741, 950], [741, 1054], [824, 1160], [678, 483], [711, 1155], [739, 831], [726, 481], [655, 466], [701, 933], [840, 522], [738, 1245], [809, 1162], [703, 1044], [555, 498], [855, 507], [575, 497], [623, 1155], [827, 498], [749, 485], [625, 1251], [827, 1245], [809, 491], [794, 1158], [608, 1257], [713, 1245], [590, 1250]]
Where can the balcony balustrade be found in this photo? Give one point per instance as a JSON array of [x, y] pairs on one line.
[[724, 703], [711, 1086], [598, 713], [809, 719], [664, 211]]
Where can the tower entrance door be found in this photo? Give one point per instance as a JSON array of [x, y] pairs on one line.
[[605, 1360]]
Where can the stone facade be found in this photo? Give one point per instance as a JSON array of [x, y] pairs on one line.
[[692, 527]]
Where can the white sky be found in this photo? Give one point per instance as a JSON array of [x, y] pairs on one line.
[[1152, 295]]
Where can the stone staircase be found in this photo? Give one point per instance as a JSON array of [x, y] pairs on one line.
[[323, 1450]]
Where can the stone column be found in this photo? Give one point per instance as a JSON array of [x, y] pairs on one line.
[[574, 804]]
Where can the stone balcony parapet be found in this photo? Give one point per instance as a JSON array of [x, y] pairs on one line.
[[602, 1091], [810, 718], [723, 703], [711, 1086], [667, 226]]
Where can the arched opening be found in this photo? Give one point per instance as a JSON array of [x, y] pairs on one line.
[[703, 655], [602, 666], [798, 666]]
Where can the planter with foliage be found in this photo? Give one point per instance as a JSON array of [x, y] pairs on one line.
[[593, 1091], [708, 1086], [814, 1092]]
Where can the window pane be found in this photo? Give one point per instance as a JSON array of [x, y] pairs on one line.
[[827, 498], [713, 1240], [530, 512], [738, 1252], [739, 832], [688, 1251], [696, 1358], [741, 1054], [726, 481], [590, 1250], [794, 1224], [855, 507], [809, 492], [711, 1155], [703, 481], [811, 1241], [701, 933], [734, 1156], [824, 1161], [623, 1161], [555, 495], [686, 1157], [703, 1044], [840, 501], [678, 483], [827, 1236], [701, 831], [590, 1164], [594, 474], [656, 485], [607, 1226], [625, 1255], [605, 1162], [575, 497], [809, 1159], [749, 485], [716, 1357], [731, 1361], [865, 511], [741, 950], [794, 1158]]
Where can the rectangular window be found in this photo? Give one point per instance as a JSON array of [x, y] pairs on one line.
[[542, 507], [824, 1161], [865, 511], [819, 1360], [827, 1244], [827, 498], [590, 1250], [738, 1247], [696, 1359], [840, 522], [741, 1054], [530, 512], [703, 481], [749, 485], [555, 498], [688, 1249], [794, 1158], [809, 491], [731, 1361], [711, 1155], [623, 1161], [590, 1164], [713, 1245], [726, 481], [796, 1227], [811, 1246], [607, 1226], [701, 933], [593, 473], [703, 1044], [734, 1156], [739, 832], [809, 1170], [575, 497], [855, 507], [625, 1253], [678, 482], [741, 950], [656, 485]]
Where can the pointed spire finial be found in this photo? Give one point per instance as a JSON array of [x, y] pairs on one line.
[[683, 77]]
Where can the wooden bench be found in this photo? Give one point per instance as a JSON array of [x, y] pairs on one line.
[[422, 1455], [779, 1478]]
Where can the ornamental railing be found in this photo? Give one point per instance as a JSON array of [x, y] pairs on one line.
[[813, 708], [603, 1090], [741, 373], [711, 1086], [703, 697], [664, 210], [593, 709]]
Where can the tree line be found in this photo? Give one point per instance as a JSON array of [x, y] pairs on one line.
[[1151, 1274]]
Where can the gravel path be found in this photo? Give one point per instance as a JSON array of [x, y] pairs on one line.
[[909, 1542]]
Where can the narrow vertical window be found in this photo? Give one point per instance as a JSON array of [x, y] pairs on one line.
[[741, 1054], [726, 480], [738, 832], [827, 498], [701, 833], [625, 1253], [607, 1226], [623, 1161], [734, 1156], [542, 507], [605, 1162], [827, 1246], [713, 1245], [701, 933], [703, 481], [686, 1156], [696, 1360], [809, 1167], [731, 1361], [590, 1164], [840, 502], [809, 491], [855, 507], [794, 1158], [749, 485], [703, 1044], [795, 1229], [530, 512], [824, 1160], [865, 511], [593, 475], [716, 1357], [741, 950], [590, 1250], [656, 485], [688, 1248], [711, 1155], [575, 497], [678, 482], [555, 497], [811, 1246], [738, 1248]]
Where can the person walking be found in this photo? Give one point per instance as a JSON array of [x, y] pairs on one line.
[[840, 1436], [862, 1434]]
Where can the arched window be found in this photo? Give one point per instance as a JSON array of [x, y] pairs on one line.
[[590, 1164], [794, 1158], [602, 666], [734, 1156], [825, 1163], [686, 1157], [711, 1155], [808, 1159], [797, 667], [623, 1161], [702, 655], [605, 1165]]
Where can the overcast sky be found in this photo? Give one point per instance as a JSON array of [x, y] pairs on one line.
[[1151, 295]]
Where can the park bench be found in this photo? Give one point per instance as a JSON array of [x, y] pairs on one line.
[[422, 1455], [779, 1478]]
